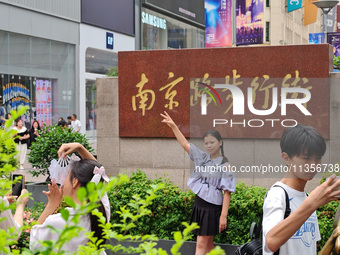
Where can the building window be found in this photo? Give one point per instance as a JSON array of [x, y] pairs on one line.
[[267, 3], [38, 73], [100, 61], [162, 32], [267, 31]]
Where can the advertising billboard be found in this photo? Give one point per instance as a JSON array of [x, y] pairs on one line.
[[249, 22], [316, 38], [218, 23], [338, 18], [334, 40]]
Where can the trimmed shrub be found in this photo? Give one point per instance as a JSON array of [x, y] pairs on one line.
[[47, 145], [169, 209]]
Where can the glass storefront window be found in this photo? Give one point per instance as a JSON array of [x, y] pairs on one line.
[[100, 61], [91, 108], [163, 32], [38, 73]]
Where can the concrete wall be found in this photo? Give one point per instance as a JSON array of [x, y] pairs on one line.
[[165, 156], [28, 22], [66, 9]]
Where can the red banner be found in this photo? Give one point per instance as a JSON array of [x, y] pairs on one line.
[[338, 18]]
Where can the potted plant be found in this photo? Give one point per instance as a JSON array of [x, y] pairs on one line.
[[44, 149]]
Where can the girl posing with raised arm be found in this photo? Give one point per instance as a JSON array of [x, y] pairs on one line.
[[82, 172], [211, 206]]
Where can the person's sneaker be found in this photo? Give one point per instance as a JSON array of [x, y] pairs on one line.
[[21, 167]]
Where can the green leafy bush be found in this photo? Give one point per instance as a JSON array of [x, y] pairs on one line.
[[47, 145], [168, 210], [245, 207], [8, 150], [112, 72], [174, 206], [336, 62], [326, 216]]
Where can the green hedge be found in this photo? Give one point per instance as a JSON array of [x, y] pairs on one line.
[[245, 207], [173, 206], [169, 210]]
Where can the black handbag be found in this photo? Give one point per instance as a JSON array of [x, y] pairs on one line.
[[254, 247]]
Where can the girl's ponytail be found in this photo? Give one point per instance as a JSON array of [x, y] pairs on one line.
[[225, 159], [83, 171], [95, 224]]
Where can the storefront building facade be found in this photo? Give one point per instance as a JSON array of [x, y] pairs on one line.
[[105, 29], [171, 24], [50, 61], [38, 59]]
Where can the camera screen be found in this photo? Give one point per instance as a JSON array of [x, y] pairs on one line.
[[18, 184]]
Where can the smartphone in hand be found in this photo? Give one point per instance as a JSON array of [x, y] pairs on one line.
[[18, 184]]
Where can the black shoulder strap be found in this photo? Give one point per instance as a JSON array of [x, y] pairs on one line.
[[287, 211]]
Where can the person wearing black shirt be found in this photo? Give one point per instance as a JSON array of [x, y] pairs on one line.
[[34, 132], [21, 138]]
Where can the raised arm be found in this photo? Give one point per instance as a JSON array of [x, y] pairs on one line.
[[69, 148], [320, 196], [180, 137], [21, 203]]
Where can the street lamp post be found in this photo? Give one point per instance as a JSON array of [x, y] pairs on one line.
[[326, 6]]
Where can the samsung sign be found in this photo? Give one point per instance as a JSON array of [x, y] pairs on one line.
[[153, 20]]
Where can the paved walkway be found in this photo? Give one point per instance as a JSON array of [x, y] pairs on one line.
[[28, 175]]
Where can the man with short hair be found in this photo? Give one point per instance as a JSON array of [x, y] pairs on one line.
[[302, 148], [69, 121], [75, 124]]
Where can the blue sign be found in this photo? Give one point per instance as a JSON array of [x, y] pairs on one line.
[[109, 40], [316, 38], [293, 5]]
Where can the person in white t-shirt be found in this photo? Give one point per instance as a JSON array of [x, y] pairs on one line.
[[75, 124], [302, 149]]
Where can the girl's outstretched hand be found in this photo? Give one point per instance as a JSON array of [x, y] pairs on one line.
[[68, 148], [167, 119]]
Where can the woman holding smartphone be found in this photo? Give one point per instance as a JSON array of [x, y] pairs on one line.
[[34, 132]]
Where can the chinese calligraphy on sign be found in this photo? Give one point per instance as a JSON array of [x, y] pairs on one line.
[[263, 85], [147, 96], [181, 81]]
